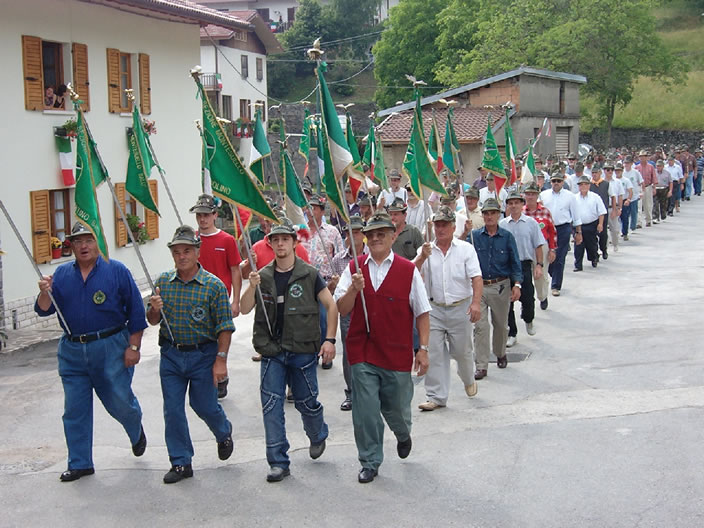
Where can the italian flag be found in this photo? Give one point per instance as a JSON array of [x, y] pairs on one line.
[[528, 173], [63, 146]]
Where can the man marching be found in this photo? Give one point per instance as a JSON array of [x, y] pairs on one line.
[[105, 315], [450, 269], [287, 334], [197, 308], [381, 360]]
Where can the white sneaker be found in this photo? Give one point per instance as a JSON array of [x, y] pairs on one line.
[[530, 329], [511, 341]]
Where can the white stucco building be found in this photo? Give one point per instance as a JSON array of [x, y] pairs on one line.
[[101, 47]]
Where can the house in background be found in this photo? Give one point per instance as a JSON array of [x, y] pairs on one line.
[[535, 95], [102, 47], [234, 68]]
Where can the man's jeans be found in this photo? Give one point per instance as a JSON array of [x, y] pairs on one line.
[[625, 217], [299, 371], [99, 366], [635, 206], [689, 183], [557, 268], [192, 370]]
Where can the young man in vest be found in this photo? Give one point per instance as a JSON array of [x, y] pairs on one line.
[[287, 335], [219, 256], [380, 359]]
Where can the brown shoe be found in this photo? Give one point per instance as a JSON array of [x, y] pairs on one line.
[[472, 389], [257, 357], [502, 362], [480, 374], [429, 406]]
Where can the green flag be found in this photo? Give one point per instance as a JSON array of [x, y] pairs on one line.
[[491, 160], [139, 165], [510, 152], [98, 169], [304, 146], [260, 148], [87, 210], [452, 146], [230, 179], [374, 159], [434, 146], [352, 142], [416, 165]]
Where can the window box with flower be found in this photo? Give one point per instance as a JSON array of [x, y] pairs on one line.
[[138, 228], [56, 248]]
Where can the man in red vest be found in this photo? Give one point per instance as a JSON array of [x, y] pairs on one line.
[[381, 358]]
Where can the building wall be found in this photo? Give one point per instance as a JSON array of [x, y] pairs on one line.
[[33, 165], [540, 95], [496, 93]]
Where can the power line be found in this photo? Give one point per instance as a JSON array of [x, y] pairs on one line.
[[347, 39]]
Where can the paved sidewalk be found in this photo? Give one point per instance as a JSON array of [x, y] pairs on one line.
[[25, 339]]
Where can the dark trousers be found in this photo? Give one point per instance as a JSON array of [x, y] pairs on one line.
[[625, 218], [603, 237], [661, 203], [589, 243], [527, 299], [698, 184], [557, 268], [675, 198]]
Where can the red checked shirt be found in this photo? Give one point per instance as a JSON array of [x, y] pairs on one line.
[[542, 215]]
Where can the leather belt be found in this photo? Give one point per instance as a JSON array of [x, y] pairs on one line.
[[183, 348], [450, 305], [487, 282], [89, 338]]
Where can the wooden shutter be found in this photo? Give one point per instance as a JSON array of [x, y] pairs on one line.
[[145, 90], [41, 226], [113, 80], [33, 73], [80, 73], [151, 219], [121, 237], [562, 140]]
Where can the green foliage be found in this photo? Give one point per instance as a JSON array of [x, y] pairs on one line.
[[407, 47], [139, 230]]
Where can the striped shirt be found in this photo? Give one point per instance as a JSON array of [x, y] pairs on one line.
[[197, 310]]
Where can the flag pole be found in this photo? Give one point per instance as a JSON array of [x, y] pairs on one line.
[[252, 264], [276, 179], [34, 265], [135, 245]]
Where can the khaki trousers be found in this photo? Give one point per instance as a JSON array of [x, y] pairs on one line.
[[542, 285], [449, 338], [495, 301], [647, 200]]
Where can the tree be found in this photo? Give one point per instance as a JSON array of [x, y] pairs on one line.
[[407, 47]]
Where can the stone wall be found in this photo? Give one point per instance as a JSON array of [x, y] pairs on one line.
[[642, 138]]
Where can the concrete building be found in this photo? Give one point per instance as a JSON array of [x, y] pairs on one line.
[[535, 95], [101, 47]]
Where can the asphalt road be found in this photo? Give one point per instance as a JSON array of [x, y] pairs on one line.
[[599, 426]]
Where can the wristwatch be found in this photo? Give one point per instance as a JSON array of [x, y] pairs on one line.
[[222, 355], [519, 285], [540, 264], [135, 348], [423, 347], [331, 340]]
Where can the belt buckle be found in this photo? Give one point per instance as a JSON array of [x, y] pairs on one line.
[[83, 338]]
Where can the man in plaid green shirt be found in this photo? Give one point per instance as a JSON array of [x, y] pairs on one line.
[[194, 348]]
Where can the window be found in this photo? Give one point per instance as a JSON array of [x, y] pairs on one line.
[[245, 111], [264, 13], [291, 14], [227, 107], [562, 97], [51, 217], [60, 213], [130, 207], [45, 65], [260, 69], [261, 106], [120, 78], [245, 66], [125, 76]]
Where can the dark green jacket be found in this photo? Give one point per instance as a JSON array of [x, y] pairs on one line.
[[301, 328]]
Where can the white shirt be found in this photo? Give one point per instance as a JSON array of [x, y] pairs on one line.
[[588, 171], [590, 207], [485, 194], [418, 299], [390, 195], [636, 179], [460, 220], [562, 206], [417, 215], [449, 276], [675, 171], [626, 183], [571, 180], [616, 188], [527, 233]]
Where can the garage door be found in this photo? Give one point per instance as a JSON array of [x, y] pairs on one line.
[[562, 140]]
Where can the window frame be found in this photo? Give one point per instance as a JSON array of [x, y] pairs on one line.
[[66, 228], [128, 74], [244, 65], [260, 69]]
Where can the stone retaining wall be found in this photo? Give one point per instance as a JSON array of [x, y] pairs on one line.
[[643, 138]]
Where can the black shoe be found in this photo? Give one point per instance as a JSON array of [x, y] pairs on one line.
[[604, 255], [366, 475], [327, 366], [226, 447], [315, 450], [480, 374], [595, 263], [222, 388], [141, 445], [177, 473], [544, 304], [404, 448], [501, 362], [347, 404], [277, 474], [577, 269], [74, 474]]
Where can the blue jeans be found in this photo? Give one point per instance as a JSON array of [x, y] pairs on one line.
[[557, 268], [192, 370], [634, 213], [299, 371], [625, 216], [688, 185], [98, 366]]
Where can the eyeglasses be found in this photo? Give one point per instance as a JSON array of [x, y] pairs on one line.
[[376, 233]]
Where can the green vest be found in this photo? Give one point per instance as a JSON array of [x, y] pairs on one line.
[[301, 326]]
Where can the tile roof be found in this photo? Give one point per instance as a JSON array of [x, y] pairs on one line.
[[469, 122], [181, 10], [217, 32]]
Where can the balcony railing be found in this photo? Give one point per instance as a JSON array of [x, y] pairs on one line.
[[211, 81]]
